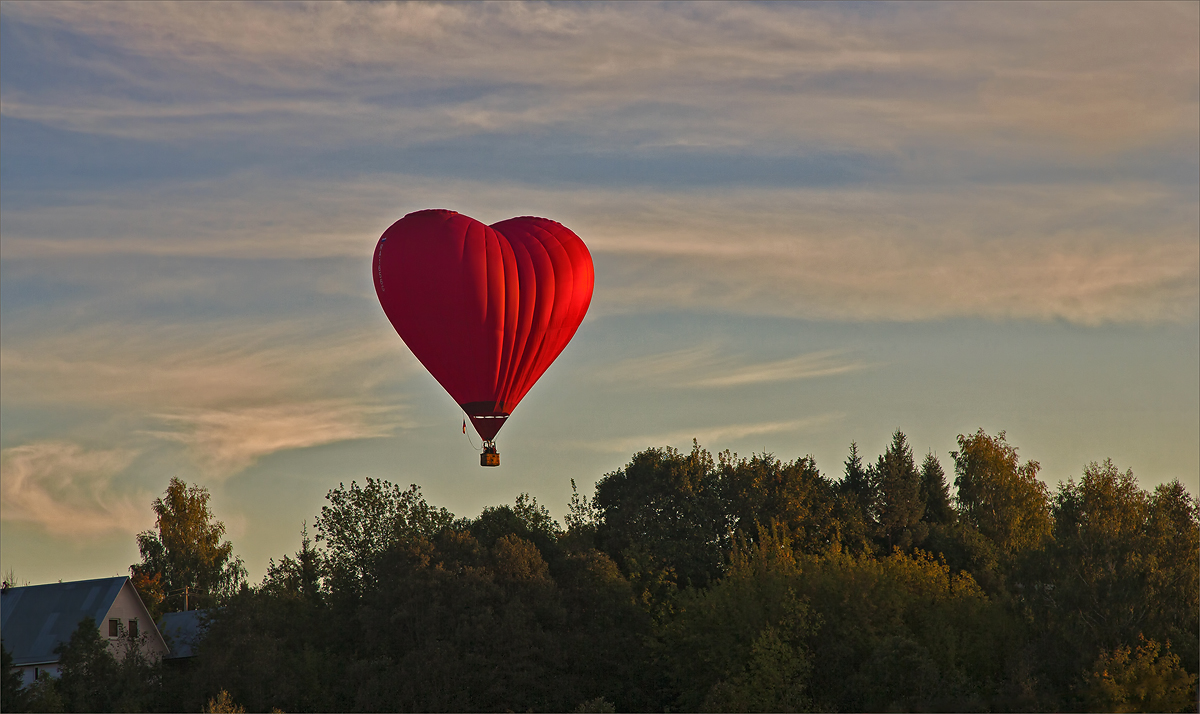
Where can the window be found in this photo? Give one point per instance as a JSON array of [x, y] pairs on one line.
[[114, 628], [133, 628]]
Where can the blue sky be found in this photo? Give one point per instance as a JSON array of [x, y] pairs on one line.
[[812, 224]]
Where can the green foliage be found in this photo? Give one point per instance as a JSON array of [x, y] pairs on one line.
[[1173, 535], [448, 623], [935, 492], [185, 552], [741, 644], [298, 577], [223, 704], [88, 668], [898, 503], [998, 495], [582, 513], [1139, 681], [43, 695], [362, 523], [794, 496], [910, 609], [772, 679], [13, 698], [1123, 564], [965, 549], [94, 678], [856, 483], [1102, 552], [663, 519], [599, 704], [525, 518], [726, 584]]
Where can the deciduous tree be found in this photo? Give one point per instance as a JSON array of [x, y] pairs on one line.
[[186, 551], [795, 496], [663, 520], [1000, 496], [362, 522]]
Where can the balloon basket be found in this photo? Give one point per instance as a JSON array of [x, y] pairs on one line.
[[489, 457]]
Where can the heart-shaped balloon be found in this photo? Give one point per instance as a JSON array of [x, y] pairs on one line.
[[486, 309]]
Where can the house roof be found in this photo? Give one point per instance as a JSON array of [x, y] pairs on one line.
[[182, 632], [37, 618]]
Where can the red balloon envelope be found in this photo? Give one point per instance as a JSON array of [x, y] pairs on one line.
[[486, 309]]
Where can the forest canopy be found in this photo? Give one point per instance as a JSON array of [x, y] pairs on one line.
[[691, 581]]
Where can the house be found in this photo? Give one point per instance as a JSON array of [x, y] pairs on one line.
[[36, 619]]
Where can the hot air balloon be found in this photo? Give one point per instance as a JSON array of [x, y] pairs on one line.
[[485, 308]]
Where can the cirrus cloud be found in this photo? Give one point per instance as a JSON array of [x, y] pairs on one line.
[[67, 489], [227, 441], [1097, 76], [705, 367], [725, 433], [1089, 252]]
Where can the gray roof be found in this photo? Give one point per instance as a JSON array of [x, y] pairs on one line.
[[38, 618], [182, 631]]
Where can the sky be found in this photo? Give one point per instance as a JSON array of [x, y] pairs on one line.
[[812, 224]]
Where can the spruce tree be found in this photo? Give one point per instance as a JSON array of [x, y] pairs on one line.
[[898, 489], [935, 492], [857, 483]]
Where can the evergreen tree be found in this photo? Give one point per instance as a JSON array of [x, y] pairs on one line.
[[899, 506], [88, 670], [12, 696], [935, 492], [857, 484], [95, 677]]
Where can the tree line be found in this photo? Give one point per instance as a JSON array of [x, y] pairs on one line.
[[689, 581]]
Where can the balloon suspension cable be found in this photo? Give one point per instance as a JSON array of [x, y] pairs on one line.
[[468, 435]]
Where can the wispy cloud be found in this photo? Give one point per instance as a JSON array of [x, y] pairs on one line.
[[248, 215], [229, 394], [705, 366], [225, 442], [1013, 164], [1082, 251], [1098, 76], [1085, 253], [711, 437], [817, 364], [663, 367], [197, 365], [68, 489]]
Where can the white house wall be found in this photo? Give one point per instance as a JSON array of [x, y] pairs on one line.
[[126, 607]]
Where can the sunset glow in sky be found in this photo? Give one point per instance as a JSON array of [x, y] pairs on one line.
[[811, 224]]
